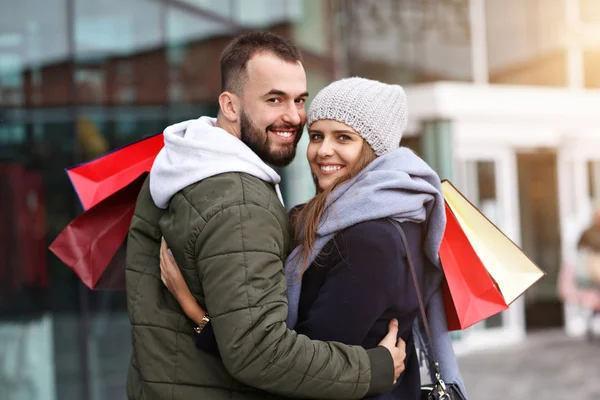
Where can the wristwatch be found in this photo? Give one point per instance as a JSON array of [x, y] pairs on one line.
[[205, 320]]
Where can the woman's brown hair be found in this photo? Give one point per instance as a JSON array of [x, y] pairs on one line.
[[306, 221]]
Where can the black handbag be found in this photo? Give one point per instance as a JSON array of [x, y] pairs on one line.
[[438, 390]]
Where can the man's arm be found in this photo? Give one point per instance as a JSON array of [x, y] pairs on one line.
[[245, 294]]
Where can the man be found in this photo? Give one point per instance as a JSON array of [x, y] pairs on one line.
[[215, 200]]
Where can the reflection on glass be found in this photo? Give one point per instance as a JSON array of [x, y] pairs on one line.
[[26, 360], [11, 80], [118, 52], [33, 33], [409, 41], [222, 8], [262, 13], [194, 47]]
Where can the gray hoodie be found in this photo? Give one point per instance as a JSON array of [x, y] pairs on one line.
[[197, 149]]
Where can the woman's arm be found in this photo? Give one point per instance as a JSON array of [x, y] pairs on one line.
[[173, 280]]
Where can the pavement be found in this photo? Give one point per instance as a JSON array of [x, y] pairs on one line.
[[547, 365]]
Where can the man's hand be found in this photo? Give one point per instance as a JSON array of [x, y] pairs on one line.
[[396, 347]]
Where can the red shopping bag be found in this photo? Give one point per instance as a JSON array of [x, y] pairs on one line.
[[92, 245], [470, 294], [98, 179], [485, 271]]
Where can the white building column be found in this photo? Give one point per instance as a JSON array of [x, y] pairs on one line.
[[479, 56], [575, 71]]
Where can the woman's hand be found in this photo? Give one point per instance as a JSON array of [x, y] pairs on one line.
[[173, 280]]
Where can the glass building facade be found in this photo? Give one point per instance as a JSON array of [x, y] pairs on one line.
[[79, 78]]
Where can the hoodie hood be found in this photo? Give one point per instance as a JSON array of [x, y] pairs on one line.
[[197, 149]]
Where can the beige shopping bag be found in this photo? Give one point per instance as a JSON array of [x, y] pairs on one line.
[[506, 263]]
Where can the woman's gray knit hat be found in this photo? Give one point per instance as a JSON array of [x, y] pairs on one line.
[[376, 110]]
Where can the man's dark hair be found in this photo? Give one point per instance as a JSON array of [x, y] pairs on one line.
[[236, 55]]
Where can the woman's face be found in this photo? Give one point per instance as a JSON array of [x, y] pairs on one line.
[[333, 150]]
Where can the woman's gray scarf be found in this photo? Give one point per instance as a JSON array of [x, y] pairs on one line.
[[401, 186]]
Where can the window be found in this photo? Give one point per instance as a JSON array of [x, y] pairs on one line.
[[525, 42], [408, 41]]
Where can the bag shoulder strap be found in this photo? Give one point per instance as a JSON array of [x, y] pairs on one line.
[[413, 274], [440, 383]]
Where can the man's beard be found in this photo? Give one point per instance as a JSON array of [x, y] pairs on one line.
[[260, 142]]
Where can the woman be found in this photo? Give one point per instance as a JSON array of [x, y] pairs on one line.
[[348, 275]]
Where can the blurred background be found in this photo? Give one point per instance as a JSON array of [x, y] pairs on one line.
[[503, 98]]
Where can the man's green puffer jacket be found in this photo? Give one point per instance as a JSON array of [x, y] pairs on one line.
[[230, 236]]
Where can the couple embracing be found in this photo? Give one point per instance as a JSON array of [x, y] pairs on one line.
[[231, 297]]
